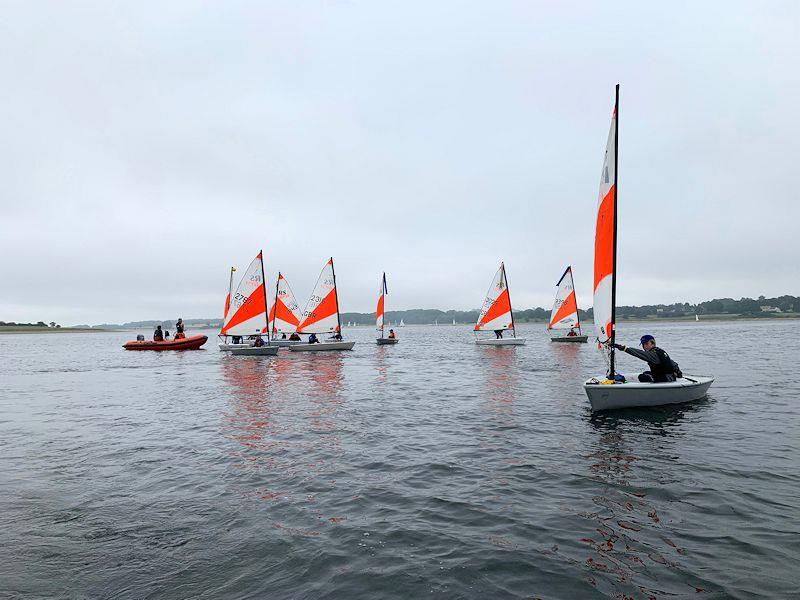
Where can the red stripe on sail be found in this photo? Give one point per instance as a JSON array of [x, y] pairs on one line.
[[501, 306], [252, 307], [569, 306], [379, 310], [604, 238], [284, 314], [324, 309]]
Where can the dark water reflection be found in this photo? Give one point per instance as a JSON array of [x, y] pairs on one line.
[[433, 467]]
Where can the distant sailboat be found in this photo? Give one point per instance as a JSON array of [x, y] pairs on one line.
[[379, 315], [402, 323], [454, 321], [564, 315], [496, 314], [696, 318], [611, 392], [247, 310], [321, 314]]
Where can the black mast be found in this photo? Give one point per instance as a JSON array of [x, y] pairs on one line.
[[613, 337], [510, 307], [277, 283], [383, 293], [336, 295], [264, 288]]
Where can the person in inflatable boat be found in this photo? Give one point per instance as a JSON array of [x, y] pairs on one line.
[[662, 368], [158, 335]]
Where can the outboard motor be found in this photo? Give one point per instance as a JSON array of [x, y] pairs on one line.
[[140, 338]]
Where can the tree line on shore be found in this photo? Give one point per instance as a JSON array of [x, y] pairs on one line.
[[744, 307]]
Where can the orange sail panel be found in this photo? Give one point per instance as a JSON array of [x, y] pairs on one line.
[[285, 312], [604, 241], [248, 308], [321, 314], [496, 311], [565, 307]]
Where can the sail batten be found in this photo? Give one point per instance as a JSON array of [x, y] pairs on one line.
[[247, 312], [495, 313], [321, 314]]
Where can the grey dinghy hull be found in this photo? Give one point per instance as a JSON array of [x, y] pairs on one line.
[[501, 342], [637, 395], [253, 351], [228, 347], [385, 341], [580, 339], [322, 346]]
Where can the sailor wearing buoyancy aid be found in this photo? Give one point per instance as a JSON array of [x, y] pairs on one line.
[[662, 367]]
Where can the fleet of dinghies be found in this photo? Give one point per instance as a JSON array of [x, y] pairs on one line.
[[246, 318]]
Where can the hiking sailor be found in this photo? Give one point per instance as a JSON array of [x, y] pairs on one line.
[[662, 367]]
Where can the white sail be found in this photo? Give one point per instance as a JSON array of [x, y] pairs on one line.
[[321, 314], [248, 307], [565, 307], [402, 323], [604, 241], [285, 312], [496, 310], [379, 314]]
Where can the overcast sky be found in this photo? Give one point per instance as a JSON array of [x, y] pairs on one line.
[[147, 146]]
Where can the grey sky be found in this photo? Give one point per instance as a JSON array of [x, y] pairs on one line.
[[145, 147]]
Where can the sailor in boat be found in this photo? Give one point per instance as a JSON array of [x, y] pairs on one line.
[[391, 334], [498, 333], [336, 336], [312, 339], [572, 332], [258, 342], [158, 335], [236, 339], [283, 336], [166, 335], [662, 368], [179, 335], [294, 337]]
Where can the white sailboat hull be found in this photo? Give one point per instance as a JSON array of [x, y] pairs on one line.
[[634, 394], [229, 347], [322, 346], [578, 339], [285, 343], [501, 342], [386, 341], [253, 351]]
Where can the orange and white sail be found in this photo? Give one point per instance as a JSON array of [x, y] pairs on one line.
[[379, 318], [565, 308], [321, 314], [228, 297], [284, 316], [247, 312], [496, 311], [604, 240]]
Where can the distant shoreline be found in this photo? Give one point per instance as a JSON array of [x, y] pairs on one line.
[[48, 330]]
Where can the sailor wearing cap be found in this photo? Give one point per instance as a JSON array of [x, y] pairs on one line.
[[662, 367]]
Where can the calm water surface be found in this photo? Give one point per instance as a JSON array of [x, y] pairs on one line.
[[434, 468]]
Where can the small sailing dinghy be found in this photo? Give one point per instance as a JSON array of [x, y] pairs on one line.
[[382, 341], [402, 323], [247, 311], [321, 315], [564, 316], [610, 393], [284, 314], [496, 314]]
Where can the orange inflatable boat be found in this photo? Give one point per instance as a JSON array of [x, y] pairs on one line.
[[188, 343]]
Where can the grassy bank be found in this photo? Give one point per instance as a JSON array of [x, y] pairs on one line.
[[16, 329]]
